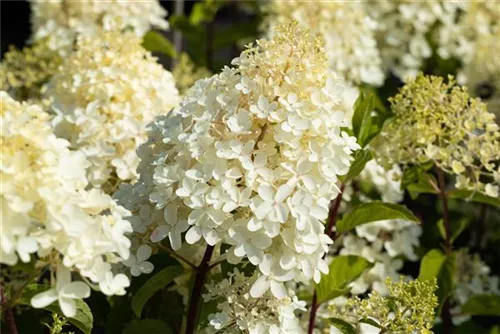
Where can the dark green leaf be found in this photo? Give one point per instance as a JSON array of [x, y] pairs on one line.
[[342, 271], [488, 305], [361, 157], [417, 175], [343, 326], [436, 264], [371, 212], [155, 42], [236, 32], [475, 197], [422, 185], [456, 227], [361, 119], [83, 318], [370, 322], [153, 285], [149, 326]]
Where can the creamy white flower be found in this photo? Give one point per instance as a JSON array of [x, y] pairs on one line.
[[386, 182], [62, 21], [240, 150], [138, 263], [46, 211], [104, 95], [65, 292], [239, 312], [347, 29]]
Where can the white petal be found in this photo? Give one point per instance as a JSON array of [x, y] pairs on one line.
[[160, 233], [193, 235], [283, 192], [170, 213], [75, 290], [287, 261], [229, 206], [67, 306], [239, 250], [254, 224], [281, 212], [260, 287], [143, 253], [267, 264], [278, 290], [147, 267], [211, 237], [266, 193], [263, 210], [254, 254], [319, 212], [44, 299], [175, 240]]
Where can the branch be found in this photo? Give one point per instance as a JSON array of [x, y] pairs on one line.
[[197, 290], [8, 313]]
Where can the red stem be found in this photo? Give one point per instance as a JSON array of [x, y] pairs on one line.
[[445, 312], [197, 290], [332, 220], [8, 313]]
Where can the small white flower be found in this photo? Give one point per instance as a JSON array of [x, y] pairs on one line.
[[138, 264]]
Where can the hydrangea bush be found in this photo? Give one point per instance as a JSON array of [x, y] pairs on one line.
[[314, 168]]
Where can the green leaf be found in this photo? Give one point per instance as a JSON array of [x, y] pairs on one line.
[[343, 326], [371, 212], [83, 318], [361, 119], [361, 157], [155, 42], [475, 197], [436, 264], [149, 326], [370, 322], [456, 227], [417, 175], [342, 271], [204, 11], [421, 186], [483, 305], [153, 285]]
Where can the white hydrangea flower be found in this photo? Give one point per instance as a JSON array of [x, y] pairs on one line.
[[345, 26], [104, 95], [473, 277], [138, 263], [404, 29], [62, 21], [386, 182], [239, 312], [240, 150], [46, 211], [65, 292]]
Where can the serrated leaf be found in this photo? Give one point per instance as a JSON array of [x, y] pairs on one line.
[[483, 305], [436, 264], [475, 197], [456, 227], [155, 42], [342, 271], [83, 318], [343, 326], [149, 326], [371, 212], [153, 285], [361, 157]]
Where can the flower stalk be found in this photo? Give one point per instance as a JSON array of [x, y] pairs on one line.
[[332, 220], [8, 314], [196, 292]]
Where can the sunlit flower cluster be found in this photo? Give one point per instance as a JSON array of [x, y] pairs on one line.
[[250, 158], [408, 309], [472, 277], [45, 210], [25, 71], [348, 32], [104, 95], [61, 21], [238, 312], [440, 122]]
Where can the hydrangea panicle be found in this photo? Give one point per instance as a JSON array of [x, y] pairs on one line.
[[239, 154], [440, 122], [46, 212], [104, 94]]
